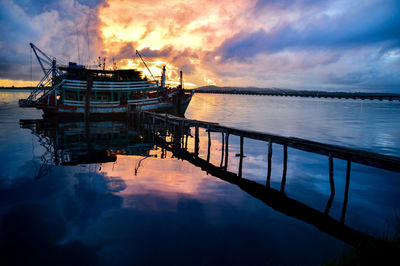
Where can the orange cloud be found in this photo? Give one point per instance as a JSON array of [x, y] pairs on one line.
[[176, 32]]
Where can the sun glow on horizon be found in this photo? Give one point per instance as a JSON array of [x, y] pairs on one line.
[[17, 83]]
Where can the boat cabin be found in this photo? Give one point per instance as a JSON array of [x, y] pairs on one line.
[[118, 87]]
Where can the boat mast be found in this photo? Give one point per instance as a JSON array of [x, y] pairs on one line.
[[181, 79], [163, 78]]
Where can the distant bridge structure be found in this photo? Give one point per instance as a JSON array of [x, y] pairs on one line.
[[309, 94]]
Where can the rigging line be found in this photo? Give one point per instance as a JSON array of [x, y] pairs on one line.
[[87, 39], [149, 59], [61, 60], [138, 54], [31, 65], [77, 40]]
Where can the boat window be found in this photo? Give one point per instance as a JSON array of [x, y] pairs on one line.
[[135, 95], [71, 95], [102, 96], [124, 98]]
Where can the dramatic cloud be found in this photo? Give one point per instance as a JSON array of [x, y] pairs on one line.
[[64, 29], [307, 44], [348, 30]]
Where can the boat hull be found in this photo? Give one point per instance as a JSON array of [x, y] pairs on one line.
[[79, 110]]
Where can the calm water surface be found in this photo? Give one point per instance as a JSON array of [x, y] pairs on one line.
[[120, 202]]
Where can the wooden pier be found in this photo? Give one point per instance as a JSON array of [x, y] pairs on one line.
[[179, 130]]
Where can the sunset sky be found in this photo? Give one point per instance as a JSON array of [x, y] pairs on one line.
[[296, 44]]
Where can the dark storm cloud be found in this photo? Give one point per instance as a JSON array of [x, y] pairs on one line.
[[353, 28], [166, 52], [57, 27], [261, 4], [126, 51], [40, 6], [180, 58], [369, 80]]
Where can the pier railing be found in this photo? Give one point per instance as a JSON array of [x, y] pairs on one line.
[[391, 163]]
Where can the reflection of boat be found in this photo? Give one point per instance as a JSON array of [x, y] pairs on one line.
[[74, 90], [75, 143]]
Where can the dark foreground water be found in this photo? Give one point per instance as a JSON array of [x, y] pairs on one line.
[[116, 198]]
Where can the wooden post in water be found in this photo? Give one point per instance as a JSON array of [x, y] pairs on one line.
[[269, 163], [222, 153], [209, 145], [284, 168], [181, 128], [196, 140], [332, 184], [346, 191], [331, 181], [226, 150], [241, 157]]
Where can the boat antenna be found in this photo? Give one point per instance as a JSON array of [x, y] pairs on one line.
[[138, 54]]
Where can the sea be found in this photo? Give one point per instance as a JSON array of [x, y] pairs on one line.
[[105, 193]]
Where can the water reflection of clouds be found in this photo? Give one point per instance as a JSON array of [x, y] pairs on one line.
[[42, 219], [174, 210], [167, 178]]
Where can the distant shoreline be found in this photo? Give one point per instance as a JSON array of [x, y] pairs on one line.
[[298, 93], [17, 88]]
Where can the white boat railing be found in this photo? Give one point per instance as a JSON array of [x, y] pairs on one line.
[[110, 103], [101, 85]]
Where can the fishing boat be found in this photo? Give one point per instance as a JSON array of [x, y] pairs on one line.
[[76, 91]]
